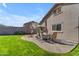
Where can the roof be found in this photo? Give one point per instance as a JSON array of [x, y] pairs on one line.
[[30, 22], [48, 14], [52, 9]]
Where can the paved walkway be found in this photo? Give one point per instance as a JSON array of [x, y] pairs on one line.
[[55, 47]]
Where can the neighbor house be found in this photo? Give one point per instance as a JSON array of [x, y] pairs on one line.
[[63, 18], [30, 27]]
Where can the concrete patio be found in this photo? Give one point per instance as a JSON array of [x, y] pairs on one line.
[[54, 47]]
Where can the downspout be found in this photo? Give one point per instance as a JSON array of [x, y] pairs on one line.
[[78, 35], [77, 27]]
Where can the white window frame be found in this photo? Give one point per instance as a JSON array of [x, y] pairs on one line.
[[57, 30]]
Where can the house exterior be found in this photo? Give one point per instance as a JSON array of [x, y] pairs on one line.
[[63, 18], [30, 27]]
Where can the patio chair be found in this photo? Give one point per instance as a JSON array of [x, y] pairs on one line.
[[54, 36]]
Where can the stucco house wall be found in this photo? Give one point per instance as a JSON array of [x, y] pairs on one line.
[[68, 18], [71, 17]]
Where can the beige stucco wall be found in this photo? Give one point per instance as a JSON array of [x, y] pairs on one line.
[[71, 14], [69, 20]]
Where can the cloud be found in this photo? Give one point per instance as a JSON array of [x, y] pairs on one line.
[[4, 4], [16, 20], [9, 19]]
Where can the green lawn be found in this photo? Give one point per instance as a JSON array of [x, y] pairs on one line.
[[15, 46]]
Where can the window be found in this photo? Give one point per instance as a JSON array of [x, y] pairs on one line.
[[56, 27], [53, 27]]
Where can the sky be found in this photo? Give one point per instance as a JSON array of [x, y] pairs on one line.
[[16, 14]]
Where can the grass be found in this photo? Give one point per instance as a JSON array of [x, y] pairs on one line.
[[15, 46]]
